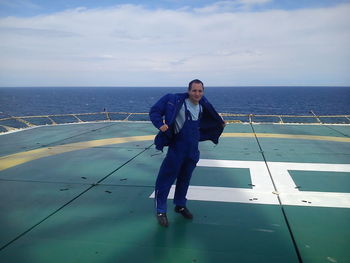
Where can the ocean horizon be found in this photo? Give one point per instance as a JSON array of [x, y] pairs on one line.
[[286, 100]]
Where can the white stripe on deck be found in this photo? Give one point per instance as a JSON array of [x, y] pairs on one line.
[[263, 191]]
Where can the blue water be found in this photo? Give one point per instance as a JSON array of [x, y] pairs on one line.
[[255, 100]]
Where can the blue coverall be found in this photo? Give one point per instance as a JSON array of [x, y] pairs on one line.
[[183, 153], [179, 163]]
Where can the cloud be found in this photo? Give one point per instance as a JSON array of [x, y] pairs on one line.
[[254, 2], [33, 32], [133, 45], [231, 6]]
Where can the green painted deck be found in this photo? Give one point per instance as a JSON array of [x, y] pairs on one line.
[[266, 193]]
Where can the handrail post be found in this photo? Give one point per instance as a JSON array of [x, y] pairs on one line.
[[316, 116], [250, 118]]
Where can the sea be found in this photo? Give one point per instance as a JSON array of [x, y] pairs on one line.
[[288, 100]]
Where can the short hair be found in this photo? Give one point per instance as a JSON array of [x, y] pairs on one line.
[[195, 81]]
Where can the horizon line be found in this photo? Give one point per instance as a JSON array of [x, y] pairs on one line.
[[156, 86]]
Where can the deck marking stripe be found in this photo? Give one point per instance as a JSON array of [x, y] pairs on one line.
[[15, 159], [278, 198], [23, 157], [263, 188]]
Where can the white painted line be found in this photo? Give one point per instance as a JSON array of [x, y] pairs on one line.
[[226, 194], [263, 190], [319, 199], [290, 195]]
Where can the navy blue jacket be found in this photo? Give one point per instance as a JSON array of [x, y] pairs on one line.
[[211, 124]]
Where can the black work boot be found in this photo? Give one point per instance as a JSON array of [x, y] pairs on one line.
[[184, 212], [162, 219]]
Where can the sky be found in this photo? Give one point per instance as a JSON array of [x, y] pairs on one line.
[[170, 42]]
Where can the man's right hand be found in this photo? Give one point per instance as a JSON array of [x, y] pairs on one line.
[[164, 128]]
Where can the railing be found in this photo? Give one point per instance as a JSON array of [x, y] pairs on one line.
[[10, 123]]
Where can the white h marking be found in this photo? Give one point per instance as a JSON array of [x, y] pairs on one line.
[[263, 191]]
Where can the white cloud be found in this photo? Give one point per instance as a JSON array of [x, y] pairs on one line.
[[231, 6], [132, 45], [254, 2]]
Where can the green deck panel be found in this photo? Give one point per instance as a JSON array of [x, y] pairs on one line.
[[300, 129], [142, 171], [316, 230], [81, 166], [244, 149], [305, 151], [111, 221], [118, 129], [118, 227], [340, 129], [321, 181], [303, 146], [38, 137], [322, 234], [222, 177], [309, 158], [24, 204], [238, 128]]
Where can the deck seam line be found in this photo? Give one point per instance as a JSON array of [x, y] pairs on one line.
[[70, 201], [337, 131], [70, 183], [278, 198], [50, 144], [42, 182]]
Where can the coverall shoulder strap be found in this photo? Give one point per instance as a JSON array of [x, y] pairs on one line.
[[187, 112]]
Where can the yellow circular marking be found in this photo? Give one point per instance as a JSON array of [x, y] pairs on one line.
[[15, 159], [23, 157]]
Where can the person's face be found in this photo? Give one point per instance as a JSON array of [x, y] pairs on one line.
[[196, 92]]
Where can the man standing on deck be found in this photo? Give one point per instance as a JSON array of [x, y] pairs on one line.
[[183, 120]]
